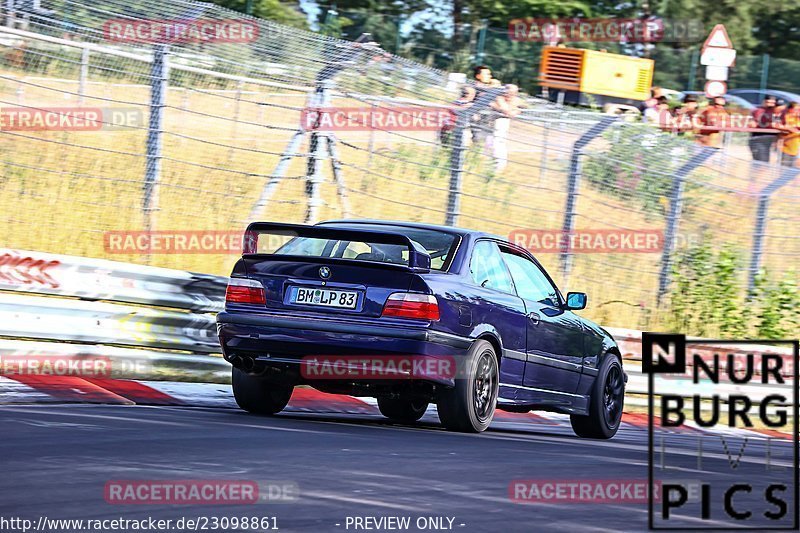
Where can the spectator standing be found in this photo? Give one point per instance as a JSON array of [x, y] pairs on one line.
[[686, 116], [464, 100], [659, 114], [655, 94], [711, 120], [483, 76], [790, 125], [764, 117], [466, 96], [507, 107], [483, 124]]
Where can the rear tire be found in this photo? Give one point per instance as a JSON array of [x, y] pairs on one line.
[[256, 395], [469, 406], [605, 403], [402, 409]]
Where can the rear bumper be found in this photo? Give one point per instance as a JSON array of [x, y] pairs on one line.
[[280, 340]]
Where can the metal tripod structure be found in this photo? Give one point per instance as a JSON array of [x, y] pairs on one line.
[[322, 144]]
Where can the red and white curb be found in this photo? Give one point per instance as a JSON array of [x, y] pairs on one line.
[[68, 389]]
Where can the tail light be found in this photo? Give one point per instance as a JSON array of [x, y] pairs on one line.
[[245, 291], [412, 305]]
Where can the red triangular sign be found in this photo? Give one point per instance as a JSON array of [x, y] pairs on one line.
[[718, 38]]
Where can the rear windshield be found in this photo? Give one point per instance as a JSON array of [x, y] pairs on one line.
[[439, 245]]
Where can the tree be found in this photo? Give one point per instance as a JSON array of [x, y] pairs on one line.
[[777, 29], [273, 10]]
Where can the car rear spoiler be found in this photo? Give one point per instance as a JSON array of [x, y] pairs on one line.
[[418, 258]]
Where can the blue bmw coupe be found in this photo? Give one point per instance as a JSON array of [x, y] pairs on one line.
[[412, 314]]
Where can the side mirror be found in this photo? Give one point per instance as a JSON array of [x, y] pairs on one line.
[[576, 301]]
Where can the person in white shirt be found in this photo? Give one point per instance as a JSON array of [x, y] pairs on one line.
[[506, 106]]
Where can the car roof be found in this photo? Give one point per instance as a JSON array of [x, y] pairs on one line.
[[786, 95], [416, 225], [729, 96]]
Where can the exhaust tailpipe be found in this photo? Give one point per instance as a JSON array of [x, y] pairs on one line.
[[248, 364]]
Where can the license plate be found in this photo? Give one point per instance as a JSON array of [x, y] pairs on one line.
[[324, 297]]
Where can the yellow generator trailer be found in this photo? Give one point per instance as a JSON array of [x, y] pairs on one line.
[[590, 77]]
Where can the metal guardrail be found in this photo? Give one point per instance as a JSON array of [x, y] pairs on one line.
[[153, 322], [55, 319], [630, 344], [98, 279]]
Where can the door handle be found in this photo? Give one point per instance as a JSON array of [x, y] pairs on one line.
[[534, 318]]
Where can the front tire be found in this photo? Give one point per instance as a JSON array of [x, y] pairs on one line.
[[605, 403], [402, 410], [469, 406], [256, 395]]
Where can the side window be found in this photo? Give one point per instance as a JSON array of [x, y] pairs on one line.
[[353, 249], [529, 279], [488, 269]]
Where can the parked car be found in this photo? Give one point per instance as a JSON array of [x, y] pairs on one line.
[[756, 96], [376, 289]]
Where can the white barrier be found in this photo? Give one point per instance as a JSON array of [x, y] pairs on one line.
[[99, 279], [100, 303]]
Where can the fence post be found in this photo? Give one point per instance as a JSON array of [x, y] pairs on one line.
[[674, 217], [787, 176], [543, 155], [456, 171], [481, 103], [84, 75], [399, 37], [236, 109], [159, 75], [316, 154], [481, 42], [764, 73], [692, 70], [10, 14], [371, 144], [573, 182]]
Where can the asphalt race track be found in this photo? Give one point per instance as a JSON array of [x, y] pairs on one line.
[[59, 457]]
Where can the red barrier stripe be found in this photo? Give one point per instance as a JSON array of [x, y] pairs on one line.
[[508, 416], [135, 391], [639, 420], [70, 389], [774, 434], [314, 400]]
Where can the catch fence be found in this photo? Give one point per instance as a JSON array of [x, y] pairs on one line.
[[201, 136]]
